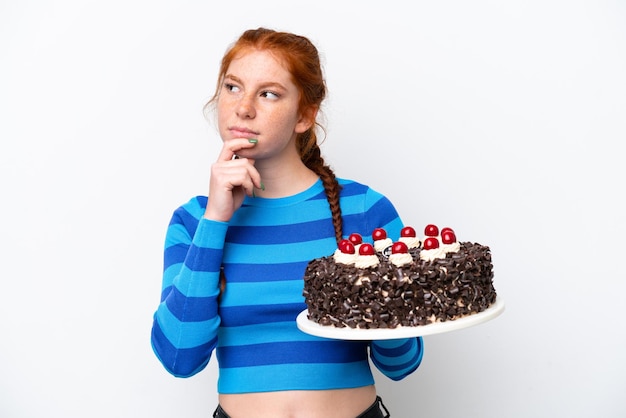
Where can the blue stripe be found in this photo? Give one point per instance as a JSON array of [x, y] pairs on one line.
[[303, 377], [195, 283], [281, 234], [177, 234], [351, 188], [165, 292], [264, 272], [400, 361], [283, 292], [324, 351], [382, 211], [201, 202], [191, 309], [202, 259], [195, 332], [249, 315], [321, 196], [402, 368], [279, 253], [180, 362], [170, 274], [365, 224], [398, 371], [386, 349], [393, 227], [264, 213], [174, 255], [187, 220], [263, 333]]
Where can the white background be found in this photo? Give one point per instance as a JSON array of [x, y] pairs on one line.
[[504, 120]]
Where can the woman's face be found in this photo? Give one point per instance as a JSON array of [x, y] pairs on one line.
[[258, 100]]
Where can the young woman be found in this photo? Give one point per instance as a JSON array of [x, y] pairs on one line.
[[234, 260]]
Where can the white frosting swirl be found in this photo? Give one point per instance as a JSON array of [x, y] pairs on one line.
[[365, 261], [381, 244], [343, 258], [429, 255], [411, 242], [451, 248], [401, 259]]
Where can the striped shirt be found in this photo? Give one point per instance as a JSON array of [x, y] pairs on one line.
[[264, 250]]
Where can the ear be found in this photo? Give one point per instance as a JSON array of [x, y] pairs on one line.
[[306, 120]]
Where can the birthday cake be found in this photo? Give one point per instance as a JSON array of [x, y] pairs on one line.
[[410, 282]]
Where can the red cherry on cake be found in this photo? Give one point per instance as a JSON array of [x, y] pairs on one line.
[[366, 249], [448, 236], [431, 243], [399, 247], [447, 228], [355, 238], [408, 232], [378, 234], [431, 230], [346, 247]]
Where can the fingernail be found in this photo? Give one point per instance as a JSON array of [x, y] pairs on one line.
[[253, 140], [253, 195], [262, 186]]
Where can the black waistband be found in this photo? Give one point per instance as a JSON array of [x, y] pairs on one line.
[[374, 411], [219, 413]]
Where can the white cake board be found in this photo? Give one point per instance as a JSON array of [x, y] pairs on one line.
[[346, 333]]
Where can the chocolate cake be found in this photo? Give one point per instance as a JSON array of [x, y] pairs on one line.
[[410, 282]]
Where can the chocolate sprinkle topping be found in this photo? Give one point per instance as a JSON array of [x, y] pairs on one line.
[[387, 296]]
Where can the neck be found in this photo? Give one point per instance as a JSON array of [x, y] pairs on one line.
[[282, 180]]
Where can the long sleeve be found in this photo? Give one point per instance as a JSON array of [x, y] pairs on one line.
[[396, 359], [185, 326]]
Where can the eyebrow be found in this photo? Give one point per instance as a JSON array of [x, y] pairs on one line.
[[267, 84]]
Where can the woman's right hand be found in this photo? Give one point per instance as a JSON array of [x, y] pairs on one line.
[[231, 179]]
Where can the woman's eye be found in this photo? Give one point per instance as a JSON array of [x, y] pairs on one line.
[[270, 95], [231, 87]]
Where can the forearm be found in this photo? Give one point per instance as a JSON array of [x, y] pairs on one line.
[[185, 325]]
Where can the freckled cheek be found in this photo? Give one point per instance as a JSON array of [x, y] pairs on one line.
[[223, 105], [224, 112], [283, 119], [221, 118]]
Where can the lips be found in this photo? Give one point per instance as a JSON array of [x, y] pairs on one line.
[[240, 132]]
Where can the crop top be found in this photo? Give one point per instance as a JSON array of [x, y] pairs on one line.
[[263, 252]]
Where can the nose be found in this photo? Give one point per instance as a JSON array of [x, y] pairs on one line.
[[245, 107]]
